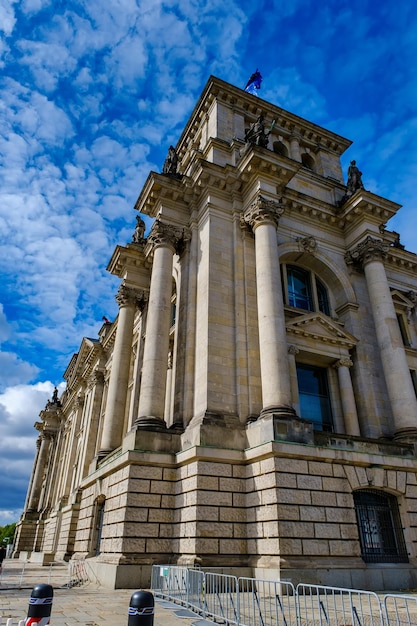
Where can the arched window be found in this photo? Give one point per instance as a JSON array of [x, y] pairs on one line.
[[280, 148], [304, 290], [380, 532], [307, 161]]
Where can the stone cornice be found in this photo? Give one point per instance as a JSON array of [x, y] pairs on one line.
[[366, 204], [261, 162], [157, 187], [128, 260]]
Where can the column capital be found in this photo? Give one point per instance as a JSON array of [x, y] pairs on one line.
[[95, 378], [127, 296], [167, 235], [262, 211], [293, 350], [344, 362], [368, 250]]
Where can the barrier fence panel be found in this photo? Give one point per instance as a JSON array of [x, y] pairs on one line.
[[334, 606], [400, 610], [266, 603], [196, 591], [221, 597], [170, 581]]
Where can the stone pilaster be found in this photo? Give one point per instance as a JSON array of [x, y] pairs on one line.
[[163, 241], [111, 438], [347, 395], [370, 254], [263, 217]]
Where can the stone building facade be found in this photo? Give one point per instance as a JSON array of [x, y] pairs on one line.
[[253, 406]]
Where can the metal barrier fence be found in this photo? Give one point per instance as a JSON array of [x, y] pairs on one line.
[[400, 610], [332, 606], [257, 602]]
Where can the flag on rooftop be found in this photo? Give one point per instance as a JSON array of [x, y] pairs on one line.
[[254, 83]]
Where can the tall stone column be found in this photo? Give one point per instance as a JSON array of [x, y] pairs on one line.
[[347, 395], [44, 440], [163, 238], [119, 377], [371, 254], [263, 217]]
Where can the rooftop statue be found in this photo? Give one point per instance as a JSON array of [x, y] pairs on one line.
[[256, 135], [171, 162], [354, 179], [139, 233]]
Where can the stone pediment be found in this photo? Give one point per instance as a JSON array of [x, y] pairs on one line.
[[403, 301], [321, 328]]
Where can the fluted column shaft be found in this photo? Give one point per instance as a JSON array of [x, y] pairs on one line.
[[401, 393], [119, 377], [263, 216], [347, 396], [155, 353]]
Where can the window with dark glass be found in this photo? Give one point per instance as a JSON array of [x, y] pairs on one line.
[[403, 329], [380, 532], [304, 290], [314, 396], [299, 288]]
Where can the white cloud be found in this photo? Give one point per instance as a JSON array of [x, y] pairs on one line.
[[7, 16]]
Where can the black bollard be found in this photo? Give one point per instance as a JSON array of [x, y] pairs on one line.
[[141, 609], [40, 605]]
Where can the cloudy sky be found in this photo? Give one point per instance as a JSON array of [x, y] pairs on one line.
[[92, 94]]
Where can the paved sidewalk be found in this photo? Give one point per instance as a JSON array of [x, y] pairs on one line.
[[88, 605]]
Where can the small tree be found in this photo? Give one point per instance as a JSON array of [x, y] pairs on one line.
[[7, 533]]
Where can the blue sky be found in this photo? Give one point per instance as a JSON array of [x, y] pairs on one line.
[[92, 95]]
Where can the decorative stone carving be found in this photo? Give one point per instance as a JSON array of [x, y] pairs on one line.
[[126, 296], [262, 211], [95, 378], [142, 299], [368, 250], [307, 244], [344, 362], [166, 235], [412, 296], [293, 350], [79, 401]]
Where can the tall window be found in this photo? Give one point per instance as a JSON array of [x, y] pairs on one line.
[[314, 396], [380, 533], [304, 290]]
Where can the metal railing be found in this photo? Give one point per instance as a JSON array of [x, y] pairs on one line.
[[400, 610], [257, 602]]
